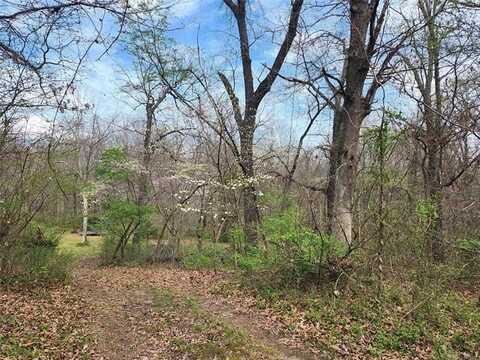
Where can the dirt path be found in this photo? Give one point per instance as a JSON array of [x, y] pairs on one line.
[[171, 313]]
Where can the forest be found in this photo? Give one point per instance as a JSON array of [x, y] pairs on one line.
[[240, 179]]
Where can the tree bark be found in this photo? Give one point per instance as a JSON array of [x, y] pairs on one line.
[[348, 118], [147, 157], [249, 195], [433, 186], [432, 109], [84, 217]]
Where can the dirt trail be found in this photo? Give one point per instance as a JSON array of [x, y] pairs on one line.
[[171, 313], [255, 327]]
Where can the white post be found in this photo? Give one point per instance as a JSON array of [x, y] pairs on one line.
[[85, 217]]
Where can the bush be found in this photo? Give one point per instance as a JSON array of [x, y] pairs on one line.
[[122, 221], [299, 252], [252, 260], [42, 264], [211, 256], [293, 252], [41, 235], [35, 258], [470, 247]]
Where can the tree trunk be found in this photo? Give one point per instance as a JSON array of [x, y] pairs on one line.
[[333, 168], [433, 187], [202, 222], [250, 207], [432, 108], [147, 156], [84, 217], [342, 172], [348, 118]]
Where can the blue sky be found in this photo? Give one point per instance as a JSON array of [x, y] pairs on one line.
[[211, 23], [208, 21]]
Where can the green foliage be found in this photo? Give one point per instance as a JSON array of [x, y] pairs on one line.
[[35, 258], [297, 250], [471, 247], [38, 264], [113, 165], [211, 256], [121, 221], [119, 213], [426, 211], [237, 238], [293, 252], [41, 235], [245, 258], [45, 265], [253, 259]]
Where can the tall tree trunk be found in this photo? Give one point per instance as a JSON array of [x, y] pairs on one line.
[[250, 207], [432, 110], [202, 222], [348, 118], [333, 168], [343, 164], [84, 217], [433, 186], [147, 156]]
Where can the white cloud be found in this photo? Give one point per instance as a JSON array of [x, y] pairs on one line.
[[185, 8], [34, 125]]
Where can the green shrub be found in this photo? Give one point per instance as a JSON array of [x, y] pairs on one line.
[[41, 235], [296, 250], [471, 247], [45, 265], [35, 257], [211, 256], [37, 264], [123, 221], [292, 251], [251, 260]]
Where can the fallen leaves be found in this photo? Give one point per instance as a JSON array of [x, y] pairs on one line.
[[43, 323]]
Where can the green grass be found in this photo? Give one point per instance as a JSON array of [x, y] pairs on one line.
[[71, 244]]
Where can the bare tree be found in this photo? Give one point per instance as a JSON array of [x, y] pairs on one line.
[[246, 121], [349, 87], [159, 73], [439, 61]]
